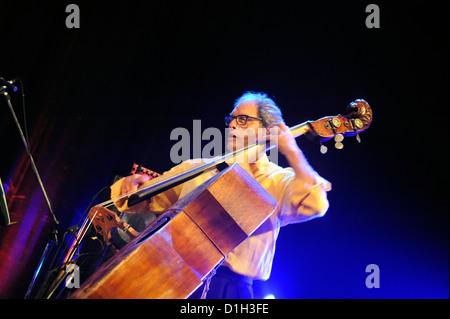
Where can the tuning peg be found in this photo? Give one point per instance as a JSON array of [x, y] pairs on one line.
[[357, 137], [339, 145], [338, 138], [357, 124], [323, 149]]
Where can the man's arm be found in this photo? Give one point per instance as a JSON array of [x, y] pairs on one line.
[[288, 147], [303, 195], [157, 203], [129, 185]]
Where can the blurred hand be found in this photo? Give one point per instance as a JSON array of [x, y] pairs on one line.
[[284, 139], [133, 183]]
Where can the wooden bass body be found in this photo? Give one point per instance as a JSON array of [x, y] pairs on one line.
[[172, 256]]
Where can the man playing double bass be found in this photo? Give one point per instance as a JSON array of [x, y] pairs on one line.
[[299, 190]]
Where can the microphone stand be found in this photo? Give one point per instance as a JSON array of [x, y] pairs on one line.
[[53, 236]]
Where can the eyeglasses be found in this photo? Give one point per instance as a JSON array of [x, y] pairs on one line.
[[240, 119]]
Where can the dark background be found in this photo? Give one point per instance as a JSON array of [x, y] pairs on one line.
[[108, 94]]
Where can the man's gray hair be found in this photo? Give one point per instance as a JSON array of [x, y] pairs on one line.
[[267, 109]]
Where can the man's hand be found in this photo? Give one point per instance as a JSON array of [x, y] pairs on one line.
[[288, 147], [284, 139], [133, 183], [129, 185]]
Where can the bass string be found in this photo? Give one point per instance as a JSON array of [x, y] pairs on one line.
[[79, 237], [210, 165], [162, 180]]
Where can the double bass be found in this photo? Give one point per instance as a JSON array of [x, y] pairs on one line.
[[181, 249]]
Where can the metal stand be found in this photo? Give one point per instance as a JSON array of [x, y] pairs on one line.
[[33, 165], [53, 236]]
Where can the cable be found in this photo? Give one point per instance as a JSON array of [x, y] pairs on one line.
[[24, 114]]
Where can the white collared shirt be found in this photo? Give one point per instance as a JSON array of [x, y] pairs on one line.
[[297, 202]]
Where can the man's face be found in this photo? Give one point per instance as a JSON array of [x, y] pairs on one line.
[[242, 135]]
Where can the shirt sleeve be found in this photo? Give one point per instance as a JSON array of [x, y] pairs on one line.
[[158, 203], [300, 201]]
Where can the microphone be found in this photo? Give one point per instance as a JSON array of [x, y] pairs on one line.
[[8, 84]]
